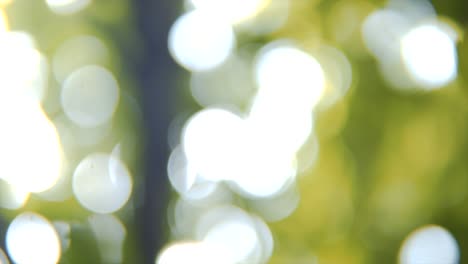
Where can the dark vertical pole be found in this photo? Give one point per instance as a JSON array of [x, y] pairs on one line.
[[155, 72]]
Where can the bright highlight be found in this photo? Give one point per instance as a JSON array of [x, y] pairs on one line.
[[430, 56], [102, 183], [289, 76], [198, 41], [430, 244], [66, 7], [190, 252], [28, 137], [32, 239], [90, 96], [232, 11], [212, 142]]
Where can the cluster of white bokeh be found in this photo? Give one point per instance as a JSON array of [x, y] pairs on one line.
[[414, 48], [53, 118], [235, 162], [416, 51]]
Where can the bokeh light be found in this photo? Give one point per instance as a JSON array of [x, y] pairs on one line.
[[28, 136], [308, 155], [31, 238], [58, 105], [430, 244], [185, 212], [90, 96], [231, 84], [63, 230], [4, 26], [397, 36], [338, 75], [240, 237], [221, 146], [212, 142], [66, 7], [24, 68], [12, 197], [190, 252], [236, 240], [73, 136], [266, 242], [271, 18], [110, 234], [263, 173], [299, 80], [181, 176], [102, 183], [277, 207], [431, 65], [382, 31], [5, 2], [198, 41], [231, 11], [289, 76], [77, 52], [302, 131]]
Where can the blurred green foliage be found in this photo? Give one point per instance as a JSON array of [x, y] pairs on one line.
[[389, 161]]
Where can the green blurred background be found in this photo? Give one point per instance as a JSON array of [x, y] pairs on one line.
[[389, 160]]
